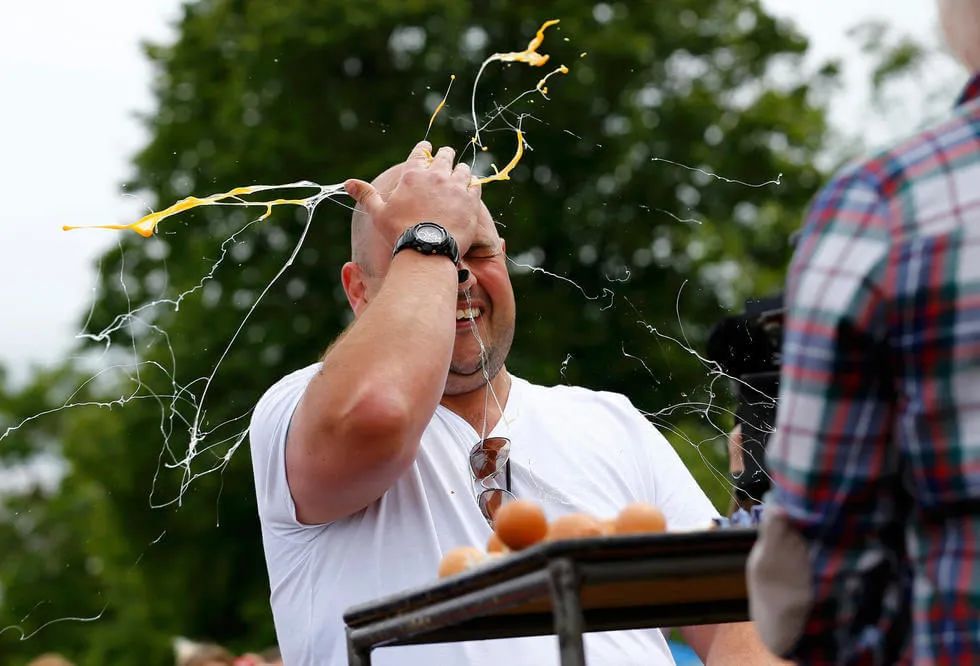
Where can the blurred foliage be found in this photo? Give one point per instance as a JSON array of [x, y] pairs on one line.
[[894, 56], [256, 92]]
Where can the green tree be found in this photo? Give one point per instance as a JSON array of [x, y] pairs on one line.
[[255, 92]]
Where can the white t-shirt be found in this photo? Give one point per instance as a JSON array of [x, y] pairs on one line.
[[572, 450]]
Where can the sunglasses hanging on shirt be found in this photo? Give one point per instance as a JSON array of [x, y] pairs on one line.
[[488, 458]]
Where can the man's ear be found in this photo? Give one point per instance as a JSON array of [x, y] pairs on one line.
[[503, 246], [354, 280]]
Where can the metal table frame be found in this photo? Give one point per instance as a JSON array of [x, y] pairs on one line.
[[545, 589]]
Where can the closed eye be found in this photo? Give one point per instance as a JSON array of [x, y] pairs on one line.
[[487, 254], [484, 251]]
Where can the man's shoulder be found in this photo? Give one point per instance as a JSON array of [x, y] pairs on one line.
[[300, 377], [286, 389], [897, 193], [889, 168]]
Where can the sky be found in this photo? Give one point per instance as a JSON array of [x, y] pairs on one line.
[[74, 77]]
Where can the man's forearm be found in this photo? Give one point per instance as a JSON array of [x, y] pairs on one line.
[[359, 422], [737, 644], [392, 362]]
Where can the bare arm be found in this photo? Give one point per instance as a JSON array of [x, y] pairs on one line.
[[358, 425], [735, 644]]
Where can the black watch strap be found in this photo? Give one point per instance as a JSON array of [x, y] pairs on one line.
[[428, 238]]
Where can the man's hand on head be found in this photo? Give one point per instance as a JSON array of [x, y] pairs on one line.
[[428, 190], [358, 425]]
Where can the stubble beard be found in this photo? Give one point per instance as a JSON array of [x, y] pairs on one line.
[[464, 378]]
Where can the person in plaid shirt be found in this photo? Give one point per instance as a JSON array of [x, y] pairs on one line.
[[869, 549]]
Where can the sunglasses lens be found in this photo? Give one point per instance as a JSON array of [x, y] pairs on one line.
[[487, 458], [492, 499]]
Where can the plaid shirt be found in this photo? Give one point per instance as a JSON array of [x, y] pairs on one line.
[[875, 458]]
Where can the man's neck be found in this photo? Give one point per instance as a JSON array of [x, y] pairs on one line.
[[470, 406]]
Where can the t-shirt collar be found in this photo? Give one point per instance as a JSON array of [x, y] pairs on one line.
[[512, 410]]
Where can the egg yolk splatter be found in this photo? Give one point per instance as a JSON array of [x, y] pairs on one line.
[[147, 225]]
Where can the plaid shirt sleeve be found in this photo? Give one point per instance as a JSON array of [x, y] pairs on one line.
[[868, 548], [831, 458]]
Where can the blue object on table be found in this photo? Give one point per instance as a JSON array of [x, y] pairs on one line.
[[741, 518], [683, 654]]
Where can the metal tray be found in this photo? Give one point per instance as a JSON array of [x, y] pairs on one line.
[[566, 588]]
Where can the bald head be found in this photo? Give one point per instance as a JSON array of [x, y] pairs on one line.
[[368, 248], [361, 230], [960, 20]]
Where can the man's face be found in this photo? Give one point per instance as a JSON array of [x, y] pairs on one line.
[[485, 308], [485, 330]]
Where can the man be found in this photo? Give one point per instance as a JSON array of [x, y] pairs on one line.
[[869, 547], [362, 461]]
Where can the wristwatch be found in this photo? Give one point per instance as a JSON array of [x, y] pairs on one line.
[[428, 238]]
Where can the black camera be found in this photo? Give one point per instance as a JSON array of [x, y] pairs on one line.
[[747, 348]]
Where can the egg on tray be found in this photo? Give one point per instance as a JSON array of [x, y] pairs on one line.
[[575, 526], [522, 523], [495, 545], [639, 518], [460, 559]]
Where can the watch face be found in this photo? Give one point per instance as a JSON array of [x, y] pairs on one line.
[[430, 233]]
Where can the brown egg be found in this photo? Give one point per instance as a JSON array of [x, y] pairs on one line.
[[459, 560], [640, 518], [575, 526], [520, 524], [495, 545]]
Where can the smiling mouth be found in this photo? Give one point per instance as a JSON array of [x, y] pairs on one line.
[[468, 314]]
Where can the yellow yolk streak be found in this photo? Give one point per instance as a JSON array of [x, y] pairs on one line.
[[505, 174], [529, 55], [452, 77], [541, 87], [498, 175], [146, 225]]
